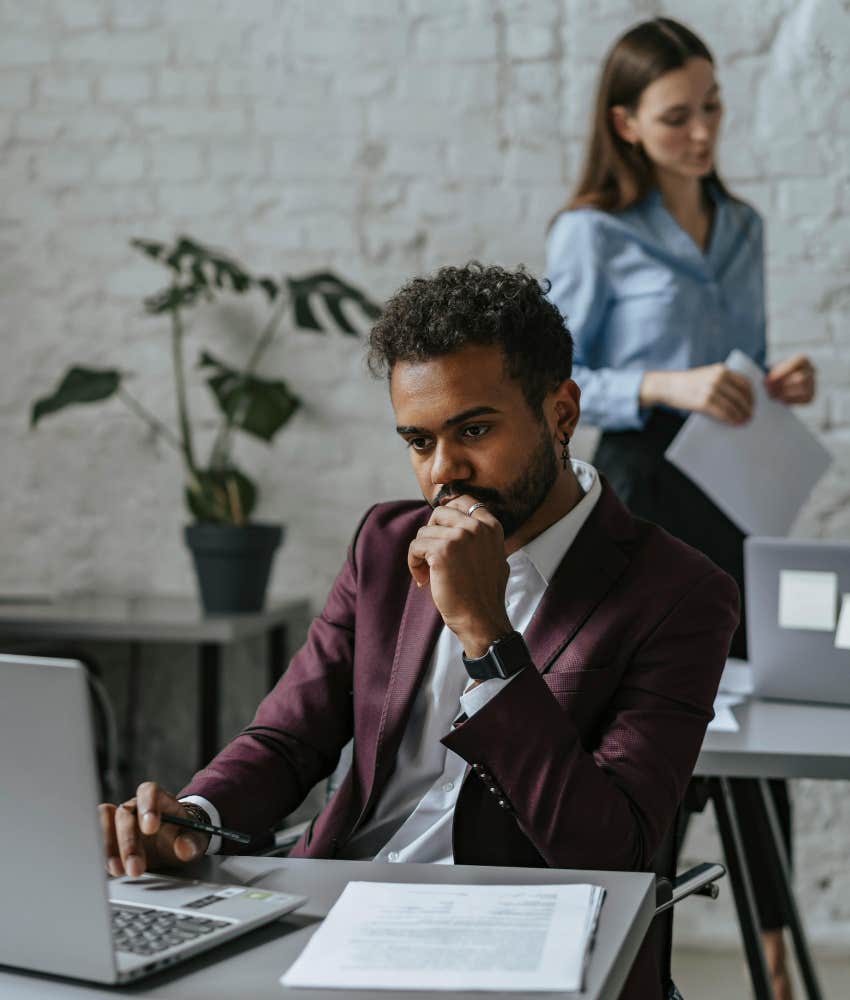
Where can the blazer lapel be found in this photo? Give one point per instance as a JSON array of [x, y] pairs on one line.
[[584, 576], [418, 631]]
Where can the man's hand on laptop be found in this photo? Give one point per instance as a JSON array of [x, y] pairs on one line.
[[135, 839]]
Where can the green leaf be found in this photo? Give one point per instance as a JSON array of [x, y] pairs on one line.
[[171, 298], [150, 247], [189, 255], [198, 268], [269, 287], [333, 291], [78, 385], [255, 405], [185, 249], [224, 496]]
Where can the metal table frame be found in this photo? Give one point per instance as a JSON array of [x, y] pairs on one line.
[[775, 740]]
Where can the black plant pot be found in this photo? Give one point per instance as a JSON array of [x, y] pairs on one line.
[[233, 563]]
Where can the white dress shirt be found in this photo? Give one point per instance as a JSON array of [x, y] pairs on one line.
[[412, 821]]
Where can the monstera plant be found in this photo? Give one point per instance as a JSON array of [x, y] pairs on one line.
[[218, 493]]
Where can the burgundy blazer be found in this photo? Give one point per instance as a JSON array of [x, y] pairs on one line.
[[580, 763]]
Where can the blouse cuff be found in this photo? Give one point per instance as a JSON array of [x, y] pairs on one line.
[[612, 401]]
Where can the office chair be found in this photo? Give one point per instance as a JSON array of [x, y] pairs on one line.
[[670, 888]]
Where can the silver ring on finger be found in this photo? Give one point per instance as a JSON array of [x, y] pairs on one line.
[[474, 508]]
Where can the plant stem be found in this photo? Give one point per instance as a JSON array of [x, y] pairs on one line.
[[235, 505], [180, 389], [221, 445], [155, 424], [268, 333]]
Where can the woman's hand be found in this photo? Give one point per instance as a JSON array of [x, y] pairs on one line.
[[792, 381], [714, 390]]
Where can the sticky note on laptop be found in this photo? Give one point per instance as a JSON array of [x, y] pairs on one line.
[[808, 599], [842, 634]]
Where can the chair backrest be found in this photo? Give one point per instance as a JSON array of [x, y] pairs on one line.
[[664, 866]]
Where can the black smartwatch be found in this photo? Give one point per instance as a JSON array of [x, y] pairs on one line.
[[504, 658]]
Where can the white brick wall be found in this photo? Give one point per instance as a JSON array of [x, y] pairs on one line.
[[378, 137]]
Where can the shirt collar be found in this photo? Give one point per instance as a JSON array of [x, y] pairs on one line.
[[674, 238], [546, 550]]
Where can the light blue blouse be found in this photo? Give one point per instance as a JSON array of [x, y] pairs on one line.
[[639, 295]]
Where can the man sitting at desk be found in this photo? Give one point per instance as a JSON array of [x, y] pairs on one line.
[[527, 670]]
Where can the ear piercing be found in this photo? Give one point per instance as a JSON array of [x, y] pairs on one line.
[[565, 450]]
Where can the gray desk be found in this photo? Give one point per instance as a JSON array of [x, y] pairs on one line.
[[781, 740], [252, 967], [137, 620], [775, 740]]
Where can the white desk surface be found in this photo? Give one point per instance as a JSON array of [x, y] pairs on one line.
[[251, 967]]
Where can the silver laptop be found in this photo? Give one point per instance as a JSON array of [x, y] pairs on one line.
[[59, 912], [795, 592]]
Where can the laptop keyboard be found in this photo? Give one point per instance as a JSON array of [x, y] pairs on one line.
[[147, 931]]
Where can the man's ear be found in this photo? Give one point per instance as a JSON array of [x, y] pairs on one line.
[[622, 121], [566, 400]]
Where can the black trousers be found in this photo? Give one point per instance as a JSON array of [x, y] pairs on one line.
[[633, 463]]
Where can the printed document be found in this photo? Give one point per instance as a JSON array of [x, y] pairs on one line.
[[381, 935], [759, 474]]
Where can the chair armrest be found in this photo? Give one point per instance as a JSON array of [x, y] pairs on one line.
[[285, 840], [699, 880]]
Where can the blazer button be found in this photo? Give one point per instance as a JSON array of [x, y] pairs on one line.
[[478, 768], [494, 790], [504, 804]]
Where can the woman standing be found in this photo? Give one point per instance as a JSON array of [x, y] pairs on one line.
[[659, 272]]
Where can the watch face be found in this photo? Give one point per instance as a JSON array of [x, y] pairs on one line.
[[503, 659]]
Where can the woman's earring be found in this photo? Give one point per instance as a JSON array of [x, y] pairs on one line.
[[565, 450]]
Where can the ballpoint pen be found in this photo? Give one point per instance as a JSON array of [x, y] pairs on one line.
[[195, 824]]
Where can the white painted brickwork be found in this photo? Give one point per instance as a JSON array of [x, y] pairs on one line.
[[381, 139]]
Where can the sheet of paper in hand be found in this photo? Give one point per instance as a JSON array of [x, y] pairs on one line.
[[759, 474]]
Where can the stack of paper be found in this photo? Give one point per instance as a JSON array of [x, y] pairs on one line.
[[736, 685], [382, 935], [724, 720]]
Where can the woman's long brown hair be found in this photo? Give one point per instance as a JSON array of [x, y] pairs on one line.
[[615, 173]]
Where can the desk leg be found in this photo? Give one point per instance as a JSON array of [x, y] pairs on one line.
[[801, 946], [742, 886], [209, 680], [275, 655]]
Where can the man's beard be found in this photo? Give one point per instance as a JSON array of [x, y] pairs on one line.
[[514, 505]]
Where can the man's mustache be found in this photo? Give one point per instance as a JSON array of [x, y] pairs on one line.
[[483, 494]]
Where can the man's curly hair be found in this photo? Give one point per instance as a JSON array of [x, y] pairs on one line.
[[474, 304]]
